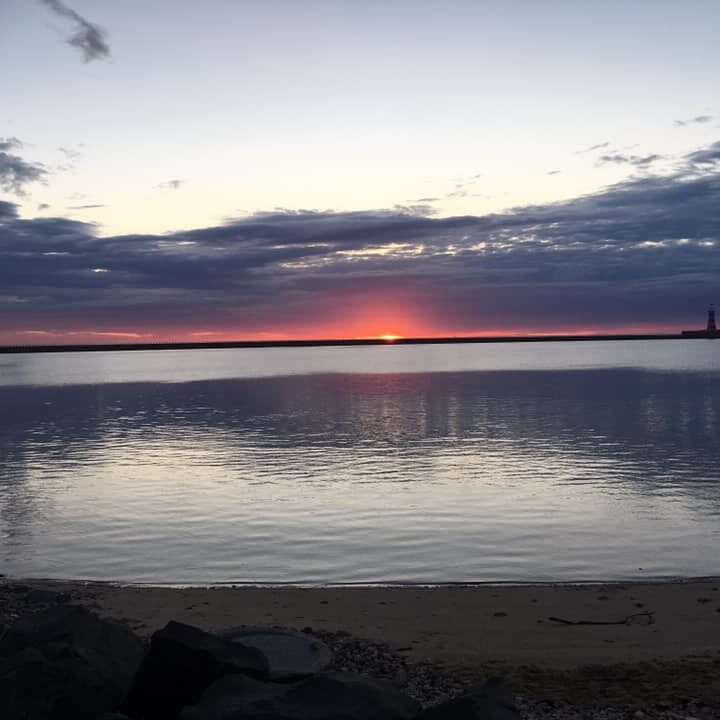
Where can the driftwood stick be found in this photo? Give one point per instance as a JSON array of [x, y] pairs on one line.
[[624, 621]]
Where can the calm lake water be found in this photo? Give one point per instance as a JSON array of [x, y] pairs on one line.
[[453, 463]]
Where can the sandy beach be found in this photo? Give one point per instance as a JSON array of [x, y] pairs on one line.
[[614, 643]]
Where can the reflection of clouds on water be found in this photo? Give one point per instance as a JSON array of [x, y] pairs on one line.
[[532, 452]]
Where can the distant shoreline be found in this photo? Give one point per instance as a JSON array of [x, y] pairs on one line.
[[219, 345]]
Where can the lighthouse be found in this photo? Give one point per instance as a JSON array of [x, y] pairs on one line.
[[710, 331]]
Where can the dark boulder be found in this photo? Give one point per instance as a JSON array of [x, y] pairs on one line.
[[65, 662], [181, 663], [328, 696], [491, 701], [47, 597]]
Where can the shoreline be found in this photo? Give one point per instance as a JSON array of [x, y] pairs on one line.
[[661, 643], [32, 580]]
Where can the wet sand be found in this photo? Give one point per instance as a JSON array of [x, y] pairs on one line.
[[630, 640]]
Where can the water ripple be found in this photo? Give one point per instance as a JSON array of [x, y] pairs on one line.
[[426, 477]]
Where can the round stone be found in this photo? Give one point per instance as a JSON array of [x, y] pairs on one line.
[[290, 654]]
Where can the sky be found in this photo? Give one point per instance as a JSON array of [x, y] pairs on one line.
[[270, 169]]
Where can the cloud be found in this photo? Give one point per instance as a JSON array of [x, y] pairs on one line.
[[462, 184], [698, 119], [705, 156], [8, 211], [415, 209], [599, 146], [11, 143], [169, 185], [15, 172], [87, 37], [641, 161], [84, 207], [643, 250], [70, 153]]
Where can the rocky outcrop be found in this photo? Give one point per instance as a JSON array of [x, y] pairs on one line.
[[181, 663], [328, 696], [65, 662]]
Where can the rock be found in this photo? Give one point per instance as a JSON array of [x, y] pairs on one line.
[[491, 701], [290, 655], [47, 596], [328, 696], [181, 663], [401, 677], [65, 662]]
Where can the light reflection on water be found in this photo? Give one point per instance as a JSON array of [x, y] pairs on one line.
[[475, 475]]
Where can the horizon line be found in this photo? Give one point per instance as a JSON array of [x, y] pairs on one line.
[[349, 342]]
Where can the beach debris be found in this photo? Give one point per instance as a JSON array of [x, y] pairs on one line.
[[641, 618], [182, 662], [290, 654], [327, 696], [66, 662]]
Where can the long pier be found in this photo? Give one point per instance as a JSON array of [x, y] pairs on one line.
[[226, 344]]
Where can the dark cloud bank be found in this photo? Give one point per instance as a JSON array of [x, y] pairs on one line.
[[644, 251]]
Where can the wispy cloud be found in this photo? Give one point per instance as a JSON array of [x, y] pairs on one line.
[[697, 120], [169, 185], [463, 185], [70, 153], [641, 161], [84, 207], [599, 146], [87, 37]]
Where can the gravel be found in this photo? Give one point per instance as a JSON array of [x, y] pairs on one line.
[[430, 684]]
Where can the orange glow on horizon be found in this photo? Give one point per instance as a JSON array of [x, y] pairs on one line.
[[315, 332]]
